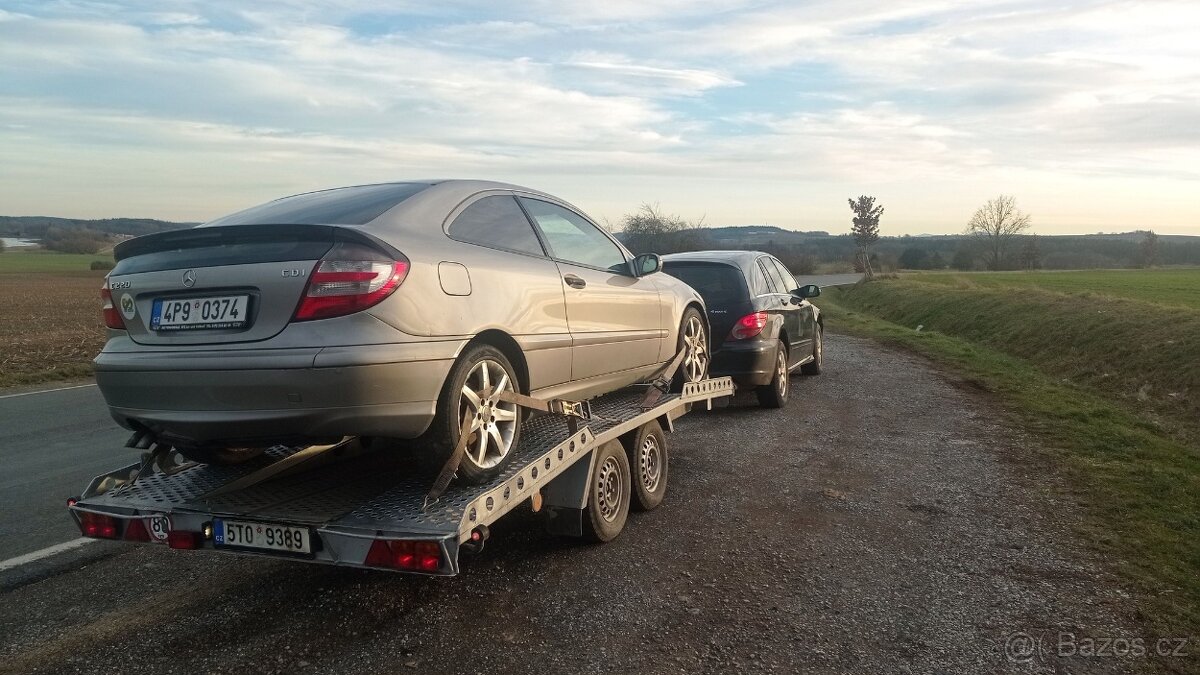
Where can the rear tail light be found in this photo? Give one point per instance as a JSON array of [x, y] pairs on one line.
[[112, 315], [349, 279], [748, 326], [414, 556], [97, 526]]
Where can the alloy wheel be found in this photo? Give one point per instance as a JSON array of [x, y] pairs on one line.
[[695, 360], [781, 373], [494, 422]]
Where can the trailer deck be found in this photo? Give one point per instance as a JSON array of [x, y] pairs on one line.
[[350, 504]]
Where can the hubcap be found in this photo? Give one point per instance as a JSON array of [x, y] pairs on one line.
[[493, 422], [781, 373], [609, 489], [695, 359], [650, 462]]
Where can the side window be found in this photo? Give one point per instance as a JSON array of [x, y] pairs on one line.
[[572, 238], [774, 283], [758, 280], [496, 222], [789, 282]]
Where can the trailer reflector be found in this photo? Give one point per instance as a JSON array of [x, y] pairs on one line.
[[97, 526], [136, 531]]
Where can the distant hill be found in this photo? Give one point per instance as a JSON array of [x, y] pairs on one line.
[[803, 249], [34, 227]]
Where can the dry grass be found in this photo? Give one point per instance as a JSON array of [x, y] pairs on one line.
[[50, 325]]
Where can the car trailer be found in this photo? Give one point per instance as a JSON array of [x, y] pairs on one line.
[[581, 465]]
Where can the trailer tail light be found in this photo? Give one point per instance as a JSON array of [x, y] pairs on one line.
[[182, 539], [748, 326], [112, 315], [350, 278], [97, 526], [413, 556]]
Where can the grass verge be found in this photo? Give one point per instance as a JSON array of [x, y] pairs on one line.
[[1139, 487]]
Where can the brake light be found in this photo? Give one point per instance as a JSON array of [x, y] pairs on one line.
[[349, 279], [97, 526], [112, 315], [416, 556], [748, 326]]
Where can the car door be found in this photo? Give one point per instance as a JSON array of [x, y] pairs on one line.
[[780, 303], [615, 318], [804, 315], [505, 280]]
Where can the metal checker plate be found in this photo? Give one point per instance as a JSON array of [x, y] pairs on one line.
[[369, 490], [160, 491], [400, 507]]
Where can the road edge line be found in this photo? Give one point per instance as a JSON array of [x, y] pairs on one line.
[[46, 391], [13, 563]]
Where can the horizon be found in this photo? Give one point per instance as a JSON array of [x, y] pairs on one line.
[[734, 111], [706, 226]]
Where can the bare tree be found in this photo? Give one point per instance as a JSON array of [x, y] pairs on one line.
[[1148, 250], [996, 223], [1031, 254], [865, 229], [649, 230]]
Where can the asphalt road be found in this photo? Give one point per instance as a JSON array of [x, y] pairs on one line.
[[51, 444], [887, 520]]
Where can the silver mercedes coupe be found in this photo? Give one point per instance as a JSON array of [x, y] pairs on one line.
[[386, 311]]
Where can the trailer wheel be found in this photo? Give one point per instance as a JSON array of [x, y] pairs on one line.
[[608, 494], [648, 461]]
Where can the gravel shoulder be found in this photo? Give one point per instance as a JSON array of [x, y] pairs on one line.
[[887, 520]]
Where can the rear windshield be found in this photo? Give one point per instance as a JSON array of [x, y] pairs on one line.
[[718, 283], [341, 206]]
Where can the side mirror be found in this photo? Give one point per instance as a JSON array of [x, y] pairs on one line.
[[809, 291], [647, 263]]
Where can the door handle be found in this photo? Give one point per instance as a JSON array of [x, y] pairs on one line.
[[574, 281]]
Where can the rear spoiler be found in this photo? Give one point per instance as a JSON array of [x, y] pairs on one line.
[[225, 235]]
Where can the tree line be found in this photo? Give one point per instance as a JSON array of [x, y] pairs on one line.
[[996, 237]]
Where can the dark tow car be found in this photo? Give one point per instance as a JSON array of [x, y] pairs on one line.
[[762, 325]]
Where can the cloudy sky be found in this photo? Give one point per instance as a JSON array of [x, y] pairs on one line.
[[738, 111]]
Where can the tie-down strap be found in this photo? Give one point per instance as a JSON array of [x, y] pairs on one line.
[[660, 382], [572, 410]]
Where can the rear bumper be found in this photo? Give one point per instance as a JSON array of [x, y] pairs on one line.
[[749, 363], [256, 398]]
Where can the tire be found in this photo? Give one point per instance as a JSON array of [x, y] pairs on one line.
[[649, 462], [500, 423], [608, 494], [775, 394], [220, 456], [814, 367], [693, 337]]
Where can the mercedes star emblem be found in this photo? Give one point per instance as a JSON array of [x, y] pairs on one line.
[[189, 278]]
